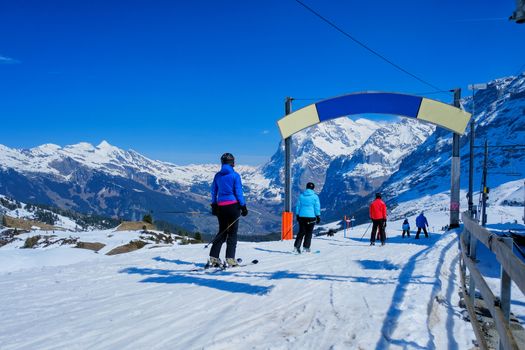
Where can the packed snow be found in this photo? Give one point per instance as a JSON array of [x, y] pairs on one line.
[[350, 295], [403, 295]]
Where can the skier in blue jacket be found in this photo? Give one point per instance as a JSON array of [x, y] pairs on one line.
[[227, 203], [406, 228], [422, 224], [308, 213]]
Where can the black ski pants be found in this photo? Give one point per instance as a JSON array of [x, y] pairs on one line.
[[228, 216], [306, 227], [378, 224], [407, 232], [419, 231]]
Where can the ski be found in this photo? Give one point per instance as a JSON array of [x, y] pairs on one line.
[[239, 261], [213, 269], [303, 253]]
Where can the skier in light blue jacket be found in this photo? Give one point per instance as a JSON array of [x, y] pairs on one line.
[[308, 213]]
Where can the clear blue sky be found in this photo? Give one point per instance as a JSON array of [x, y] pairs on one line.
[[185, 81]]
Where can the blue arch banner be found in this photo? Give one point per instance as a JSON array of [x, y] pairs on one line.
[[410, 106]]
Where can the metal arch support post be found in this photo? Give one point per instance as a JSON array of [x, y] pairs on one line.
[[471, 168], [288, 163], [287, 216], [455, 171]]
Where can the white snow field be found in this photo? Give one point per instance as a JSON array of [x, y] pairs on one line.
[[349, 296]]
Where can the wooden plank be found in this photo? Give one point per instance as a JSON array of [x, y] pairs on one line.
[[483, 287], [502, 326], [512, 265], [482, 343]]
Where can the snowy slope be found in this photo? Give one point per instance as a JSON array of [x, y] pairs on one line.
[[500, 119], [350, 295]]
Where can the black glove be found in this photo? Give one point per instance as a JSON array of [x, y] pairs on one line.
[[297, 217], [317, 219], [384, 224], [244, 210], [214, 209]]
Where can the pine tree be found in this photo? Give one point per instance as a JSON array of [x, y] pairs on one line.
[[198, 236], [148, 218]]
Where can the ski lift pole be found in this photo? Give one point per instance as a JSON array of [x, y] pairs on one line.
[[345, 227]]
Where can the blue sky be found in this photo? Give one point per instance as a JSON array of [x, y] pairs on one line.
[[185, 81]]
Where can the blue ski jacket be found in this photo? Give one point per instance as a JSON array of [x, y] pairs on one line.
[[227, 186], [421, 221], [308, 205]]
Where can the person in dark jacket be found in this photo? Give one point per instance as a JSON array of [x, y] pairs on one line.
[[406, 228], [378, 215], [308, 213], [227, 203], [422, 224]]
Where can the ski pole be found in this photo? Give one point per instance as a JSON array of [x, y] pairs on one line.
[[290, 229], [186, 212], [365, 231], [256, 212], [220, 233], [293, 226]]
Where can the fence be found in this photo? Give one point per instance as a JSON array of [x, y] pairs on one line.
[[512, 269]]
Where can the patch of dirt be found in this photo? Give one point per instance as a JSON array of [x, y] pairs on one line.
[[94, 246], [126, 248], [135, 226], [26, 224]]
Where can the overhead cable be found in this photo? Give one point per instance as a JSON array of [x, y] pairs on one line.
[[366, 47]]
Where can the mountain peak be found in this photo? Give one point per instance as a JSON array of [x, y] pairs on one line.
[[46, 148], [105, 144]]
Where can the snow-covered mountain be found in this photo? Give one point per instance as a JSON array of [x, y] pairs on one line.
[[499, 112], [107, 180], [61, 163], [355, 157], [379, 157], [313, 150]]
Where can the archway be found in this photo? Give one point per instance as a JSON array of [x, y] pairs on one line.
[[435, 112]]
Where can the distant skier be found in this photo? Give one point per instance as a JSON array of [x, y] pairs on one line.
[[406, 228], [422, 224], [227, 203], [308, 213], [378, 216]]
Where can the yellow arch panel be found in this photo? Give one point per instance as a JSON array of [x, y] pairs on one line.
[[298, 120], [444, 115]]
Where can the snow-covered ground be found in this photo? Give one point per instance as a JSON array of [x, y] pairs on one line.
[[349, 296]]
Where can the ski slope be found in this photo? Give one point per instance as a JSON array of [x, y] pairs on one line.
[[349, 296]]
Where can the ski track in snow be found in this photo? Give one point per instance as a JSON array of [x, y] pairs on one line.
[[350, 296]]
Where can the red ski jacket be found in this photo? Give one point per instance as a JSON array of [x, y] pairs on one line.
[[378, 209]]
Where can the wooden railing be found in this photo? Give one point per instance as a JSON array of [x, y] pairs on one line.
[[512, 269]]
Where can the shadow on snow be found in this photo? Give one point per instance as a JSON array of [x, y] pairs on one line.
[[175, 277], [394, 311], [377, 265]]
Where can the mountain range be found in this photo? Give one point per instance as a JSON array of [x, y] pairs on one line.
[[347, 159]]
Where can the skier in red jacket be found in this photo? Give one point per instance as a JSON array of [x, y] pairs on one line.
[[378, 216]]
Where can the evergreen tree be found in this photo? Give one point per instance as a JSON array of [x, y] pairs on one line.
[[148, 218], [198, 236]]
